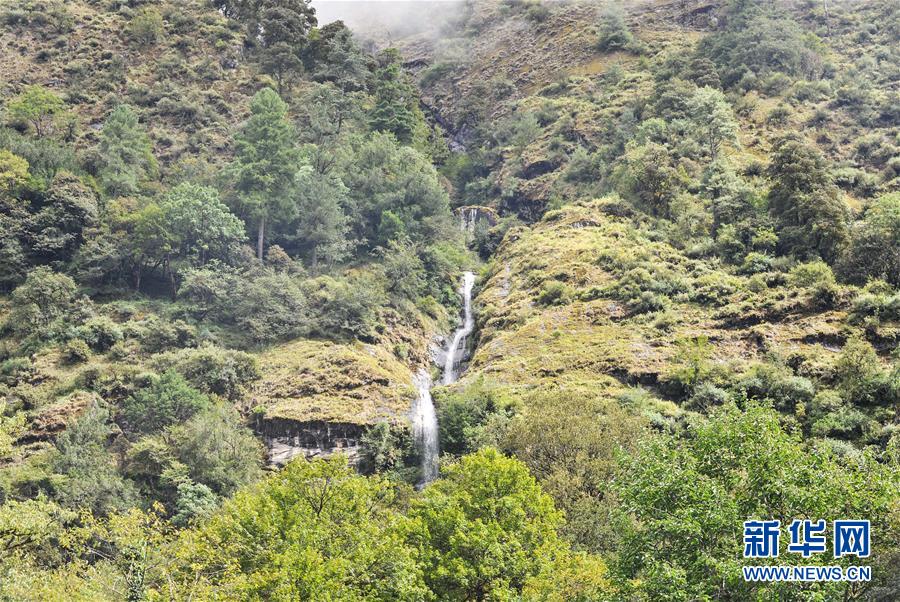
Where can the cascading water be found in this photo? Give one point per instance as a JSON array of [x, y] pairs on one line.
[[425, 428], [458, 346], [424, 419]]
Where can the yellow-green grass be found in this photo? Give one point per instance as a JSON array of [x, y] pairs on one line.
[[356, 383], [597, 345]]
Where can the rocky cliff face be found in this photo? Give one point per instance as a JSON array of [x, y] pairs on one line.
[[317, 398], [287, 439]]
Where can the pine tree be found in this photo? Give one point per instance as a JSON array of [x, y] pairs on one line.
[[333, 56], [283, 29], [810, 215], [322, 227], [265, 163], [126, 155], [396, 108]]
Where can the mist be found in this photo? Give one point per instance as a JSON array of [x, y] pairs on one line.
[[389, 20]]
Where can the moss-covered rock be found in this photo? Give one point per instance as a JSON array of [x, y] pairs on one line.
[[331, 382]]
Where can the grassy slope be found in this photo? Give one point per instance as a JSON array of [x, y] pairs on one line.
[[319, 380], [190, 86], [594, 346], [598, 347], [554, 65]]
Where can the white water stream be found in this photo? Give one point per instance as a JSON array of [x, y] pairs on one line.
[[458, 346], [425, 428], [424, 419]]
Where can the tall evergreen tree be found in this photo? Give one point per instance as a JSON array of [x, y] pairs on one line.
[[322, 226], [126, 155], [396, 103], [265, 164], [325, 116], [333, 56], [810, 215], [283, 29]]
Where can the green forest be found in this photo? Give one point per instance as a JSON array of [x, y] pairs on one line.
[[233, 310]]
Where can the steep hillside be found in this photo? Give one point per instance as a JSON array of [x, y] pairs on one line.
[[495, 76], [232, 237], [587, 303], [216, 231]]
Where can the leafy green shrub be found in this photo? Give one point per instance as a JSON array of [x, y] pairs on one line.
[[648, 302], [780, 115], [467, 416], [856, 180], [113, 383], [167, 400], [861, 379], [818, 278], [99, 333], [52, 15], [613, 32], [194, 501], [219, 451], [553, 293], [269, 308], [385, 447], [341, 308], [875, 308], [844, 423], [810, 275], [436, 72], [488, 239], [537, 13], [76, 351], [805, 91], [690, 365], [211, 369], [87, 475], [44, 305], [146, 27], [583, 166], [756, 263], [647, 287], [773, 85], [778, 384], [14, 370], [714, 288], [873, 246], [760, 43], [707, 396], [157, 334]]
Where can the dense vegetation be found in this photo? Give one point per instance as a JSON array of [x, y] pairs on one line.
[[220, 216]]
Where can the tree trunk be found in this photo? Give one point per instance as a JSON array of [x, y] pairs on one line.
[[260, 238], [172, 281], [315, 259]]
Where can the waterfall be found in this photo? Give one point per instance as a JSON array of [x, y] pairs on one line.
[[468, 218], [424, 418], [425, 428], [457, 348]]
